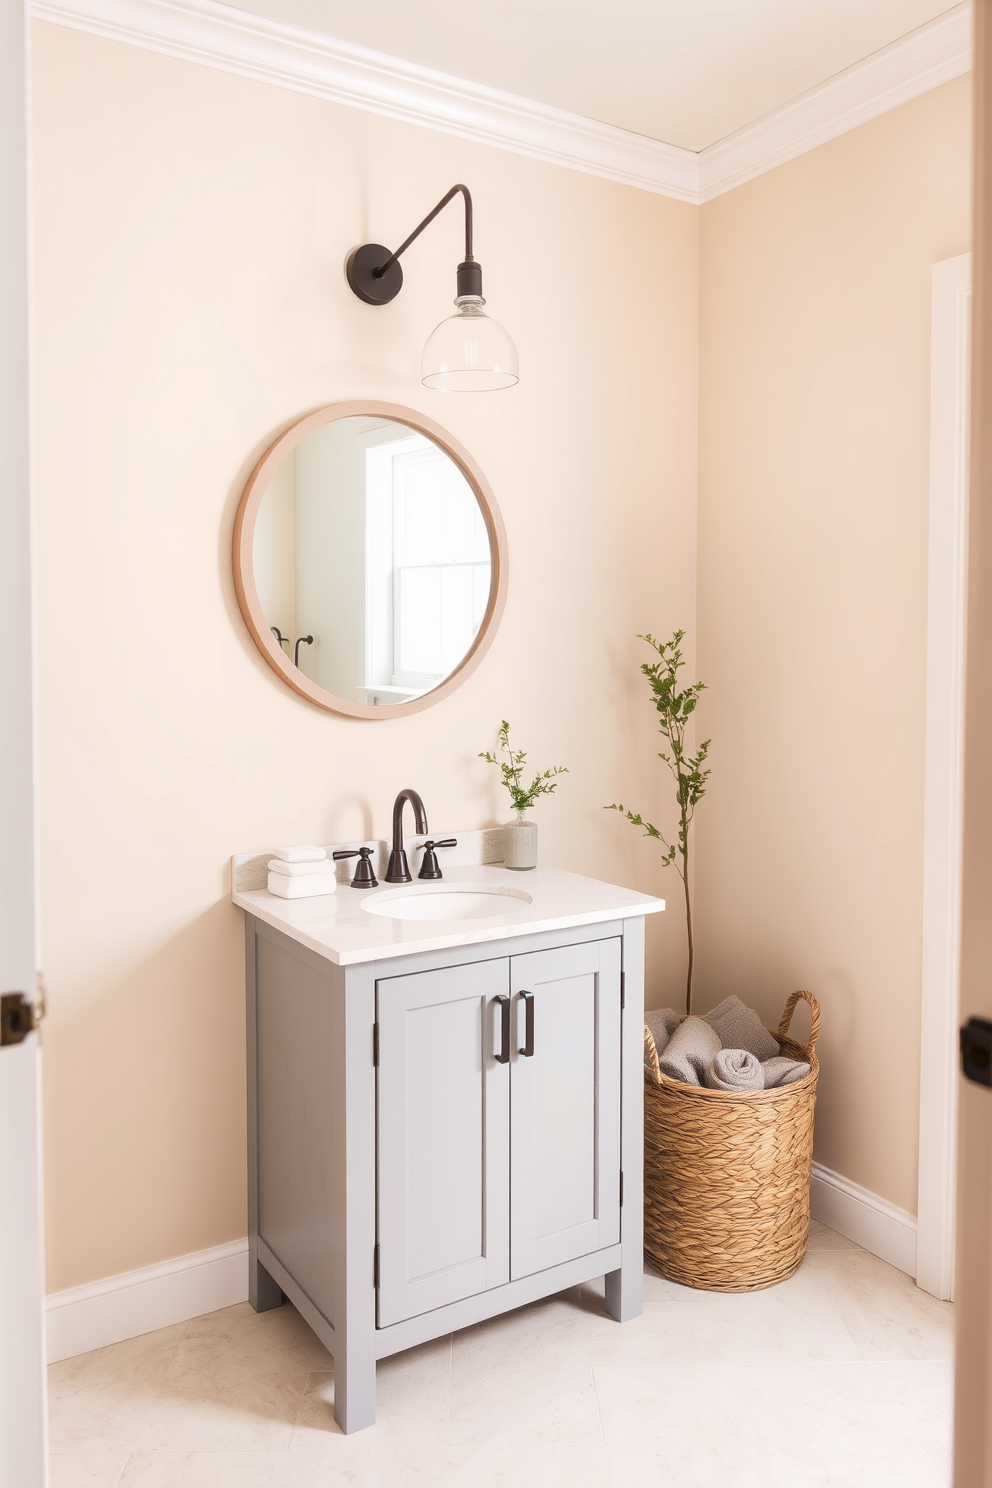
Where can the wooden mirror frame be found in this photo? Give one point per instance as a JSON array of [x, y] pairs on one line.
[[244, 575]]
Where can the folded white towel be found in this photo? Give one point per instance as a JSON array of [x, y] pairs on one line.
[[735, 1070], [299, 870], [691, 1050], [782, 1071], [285, 887], [739, 1027], [305, 853]]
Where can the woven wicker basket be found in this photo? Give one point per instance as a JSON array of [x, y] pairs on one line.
[[726, 1176]]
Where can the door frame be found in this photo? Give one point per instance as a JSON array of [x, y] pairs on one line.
[[944, 771], [23, 1446]]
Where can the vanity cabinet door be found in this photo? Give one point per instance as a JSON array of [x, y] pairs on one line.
[[443, 1138], [565, 1104]]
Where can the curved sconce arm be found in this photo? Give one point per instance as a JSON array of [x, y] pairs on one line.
[[375, 274], [378, 273]]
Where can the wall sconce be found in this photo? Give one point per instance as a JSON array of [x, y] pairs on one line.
[[467, 353]]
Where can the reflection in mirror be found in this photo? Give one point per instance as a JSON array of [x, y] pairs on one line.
[[372, 560]]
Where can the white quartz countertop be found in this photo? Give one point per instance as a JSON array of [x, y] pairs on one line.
[[340, 926]]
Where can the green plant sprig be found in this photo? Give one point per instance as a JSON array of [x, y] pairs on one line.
[[512, 770], [674, 712]]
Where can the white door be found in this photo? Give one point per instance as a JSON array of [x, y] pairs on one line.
[[443, 1138], [22, 1399], [565, 1105]]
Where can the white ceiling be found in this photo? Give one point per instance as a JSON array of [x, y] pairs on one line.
[[688, 72]]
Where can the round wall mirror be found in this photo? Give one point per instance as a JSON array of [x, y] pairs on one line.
[[370, 560]]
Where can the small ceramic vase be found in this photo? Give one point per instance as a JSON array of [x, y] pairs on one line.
[[520, 843]]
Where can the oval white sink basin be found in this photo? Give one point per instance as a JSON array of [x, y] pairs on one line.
[[446, 902]]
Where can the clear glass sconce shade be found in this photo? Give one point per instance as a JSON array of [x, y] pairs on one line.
[[469, 352]]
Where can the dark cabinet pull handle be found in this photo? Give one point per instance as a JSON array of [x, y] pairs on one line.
[[528, 1049], [503, 1057]]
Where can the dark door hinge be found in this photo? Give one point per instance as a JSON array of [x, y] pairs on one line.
[[621, 1188], [375, 1267], [18, 1017], [623, 990], [375, 1044]]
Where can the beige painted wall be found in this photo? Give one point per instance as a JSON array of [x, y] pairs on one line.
[[190, 234], [813, 490]]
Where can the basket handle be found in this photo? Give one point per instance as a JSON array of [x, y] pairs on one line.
[[790, 1007], [651, 1050]]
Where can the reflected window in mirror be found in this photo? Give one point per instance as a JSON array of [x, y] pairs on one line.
[[427, 567]]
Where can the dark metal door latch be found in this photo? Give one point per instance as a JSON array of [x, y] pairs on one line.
[[976, 1051], [18, 1018]]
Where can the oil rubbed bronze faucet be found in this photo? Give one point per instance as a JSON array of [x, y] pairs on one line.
[[398, 870]]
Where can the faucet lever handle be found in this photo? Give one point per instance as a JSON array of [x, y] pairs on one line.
[[430, 867], [364, 872]]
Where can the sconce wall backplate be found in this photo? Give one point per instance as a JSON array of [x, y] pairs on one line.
[[368, 286]]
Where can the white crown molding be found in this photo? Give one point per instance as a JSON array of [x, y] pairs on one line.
[[927, 57], [308, 62], [233, 40], [120, 1307], [860, 1215]]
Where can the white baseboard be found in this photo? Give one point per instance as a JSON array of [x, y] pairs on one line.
[[120, 1307], [860, 1215]]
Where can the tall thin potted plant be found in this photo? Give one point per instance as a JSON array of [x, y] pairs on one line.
[[675, 709]]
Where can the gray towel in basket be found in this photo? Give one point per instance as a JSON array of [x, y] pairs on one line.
[[662, 1023], [734, 1069], [690, 1051], [782, 1071], [739, 1027]]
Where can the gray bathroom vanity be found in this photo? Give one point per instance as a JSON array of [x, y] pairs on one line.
[[444, 1103]]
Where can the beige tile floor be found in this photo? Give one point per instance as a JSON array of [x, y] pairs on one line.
[[839, 1378]]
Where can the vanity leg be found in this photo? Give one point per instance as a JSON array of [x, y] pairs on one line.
[[625, 1293], [354, 1388], [625, 1287], [263, 1292], [352, 1074]]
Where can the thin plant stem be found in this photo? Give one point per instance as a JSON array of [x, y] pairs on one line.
[[688, 928], [675, 710]]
